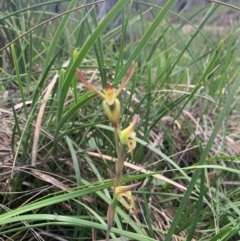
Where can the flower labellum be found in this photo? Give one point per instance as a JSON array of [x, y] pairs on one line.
[[109, 94], [126, 136]]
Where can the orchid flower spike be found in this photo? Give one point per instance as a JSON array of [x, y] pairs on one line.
[[127, 135]]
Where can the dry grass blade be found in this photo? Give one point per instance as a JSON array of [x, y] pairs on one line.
[[49, 179], [140, 169], [20, 105], [40, 118]]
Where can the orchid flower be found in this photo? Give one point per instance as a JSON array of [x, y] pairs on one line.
[[109, 95], [127, 135], [120, 193]]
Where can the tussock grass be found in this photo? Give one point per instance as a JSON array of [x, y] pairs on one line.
[[56, 144]]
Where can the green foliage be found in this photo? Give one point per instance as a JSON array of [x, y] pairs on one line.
[[57, 142]]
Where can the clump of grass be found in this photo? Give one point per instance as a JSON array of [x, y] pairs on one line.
[[56, 145]]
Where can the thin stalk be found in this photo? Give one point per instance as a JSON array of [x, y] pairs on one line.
[[116, 131]]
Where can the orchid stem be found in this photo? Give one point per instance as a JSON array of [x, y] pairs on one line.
[[116, 141], [108, 235]]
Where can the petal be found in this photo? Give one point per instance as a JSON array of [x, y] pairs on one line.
[[109, 94], [126, 80], [129, 131], [81, 77], [132, 144], [113, 112], [123, 202], [124, 189], [133, 205]]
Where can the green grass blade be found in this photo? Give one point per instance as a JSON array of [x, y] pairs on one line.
[[142, 43], [199, 207], [204, 155], [15, 60], [75, 161], [74, 221], [83, 100]]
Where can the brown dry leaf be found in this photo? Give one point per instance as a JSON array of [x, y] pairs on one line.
[[49, 179]]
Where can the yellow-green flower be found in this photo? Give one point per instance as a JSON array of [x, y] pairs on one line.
[[127, 135], [111, 104], [122, 192]]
